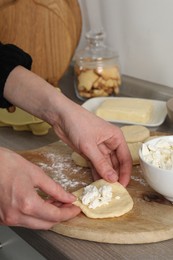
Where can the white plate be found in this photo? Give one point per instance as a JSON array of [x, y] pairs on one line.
[[159, 113]]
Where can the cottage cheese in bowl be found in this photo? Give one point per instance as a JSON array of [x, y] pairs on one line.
[[159, 154], [156, 160]]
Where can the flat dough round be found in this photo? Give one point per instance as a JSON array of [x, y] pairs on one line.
[[120, 203], [134, 151], [135, 133], [79, 160]]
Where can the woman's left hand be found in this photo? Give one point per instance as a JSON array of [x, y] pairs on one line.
[[102, 143]]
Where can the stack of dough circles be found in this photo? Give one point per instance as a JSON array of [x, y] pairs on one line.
[[135, 135], [79, 160]]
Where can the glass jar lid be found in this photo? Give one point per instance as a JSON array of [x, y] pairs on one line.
[[95, 50]]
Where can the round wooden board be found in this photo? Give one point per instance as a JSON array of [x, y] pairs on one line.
[[75, 9], [47, 29], [150, 220]]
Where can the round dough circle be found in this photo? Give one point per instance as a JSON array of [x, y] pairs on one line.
[[134, 151], [79, 160], [120, 203], [135, 133]]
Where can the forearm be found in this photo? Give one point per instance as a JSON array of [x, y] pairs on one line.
[[30, 92], [10, 57], [101, 142]]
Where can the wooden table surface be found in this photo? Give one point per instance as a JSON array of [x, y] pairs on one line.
[[54, 246]]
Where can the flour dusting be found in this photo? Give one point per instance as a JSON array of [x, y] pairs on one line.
[[137, 176], [139, 179], [63, 171]]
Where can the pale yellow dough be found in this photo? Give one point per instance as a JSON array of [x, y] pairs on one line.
[[120, 204], [79, 160], [134, 151], [135, 133]]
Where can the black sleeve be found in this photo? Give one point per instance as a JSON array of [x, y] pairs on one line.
[[10, 57]]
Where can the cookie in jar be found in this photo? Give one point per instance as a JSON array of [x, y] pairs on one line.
[[97, 71]]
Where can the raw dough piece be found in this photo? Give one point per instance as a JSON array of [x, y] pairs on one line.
[[135, 133], [79, 160], [134, 151], [120, 203]]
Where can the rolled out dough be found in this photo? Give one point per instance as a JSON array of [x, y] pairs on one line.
[[79, 160], [134, 151], [120, 203], [135, 133]]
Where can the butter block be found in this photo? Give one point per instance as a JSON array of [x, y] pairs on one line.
[[126, 109]]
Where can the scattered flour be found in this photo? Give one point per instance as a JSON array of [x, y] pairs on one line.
[[57, 167], [139, 179], [138, 176]]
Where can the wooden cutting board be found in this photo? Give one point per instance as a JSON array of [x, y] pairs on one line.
[[150, 220], [47, 29], [75, 9]]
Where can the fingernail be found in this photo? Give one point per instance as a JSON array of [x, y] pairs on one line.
[[113, 177]]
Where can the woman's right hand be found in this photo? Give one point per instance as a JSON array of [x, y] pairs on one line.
[[20, 204]]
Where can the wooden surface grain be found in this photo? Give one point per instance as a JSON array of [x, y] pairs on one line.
[[49, 30], [52, 245], [145, 223]]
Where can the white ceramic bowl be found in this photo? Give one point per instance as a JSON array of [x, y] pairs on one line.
[[161, 180]]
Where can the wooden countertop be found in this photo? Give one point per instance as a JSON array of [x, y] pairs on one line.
[[54, 246]]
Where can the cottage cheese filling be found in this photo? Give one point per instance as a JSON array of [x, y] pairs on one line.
[[94, 197], [159, 155]]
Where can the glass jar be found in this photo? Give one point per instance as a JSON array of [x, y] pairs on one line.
[[97, 70]]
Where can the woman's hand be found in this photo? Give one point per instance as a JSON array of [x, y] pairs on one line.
[[20, 205], [99, 141], [102, 143]]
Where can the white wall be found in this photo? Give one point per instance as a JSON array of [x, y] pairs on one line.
[[141, 31]]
